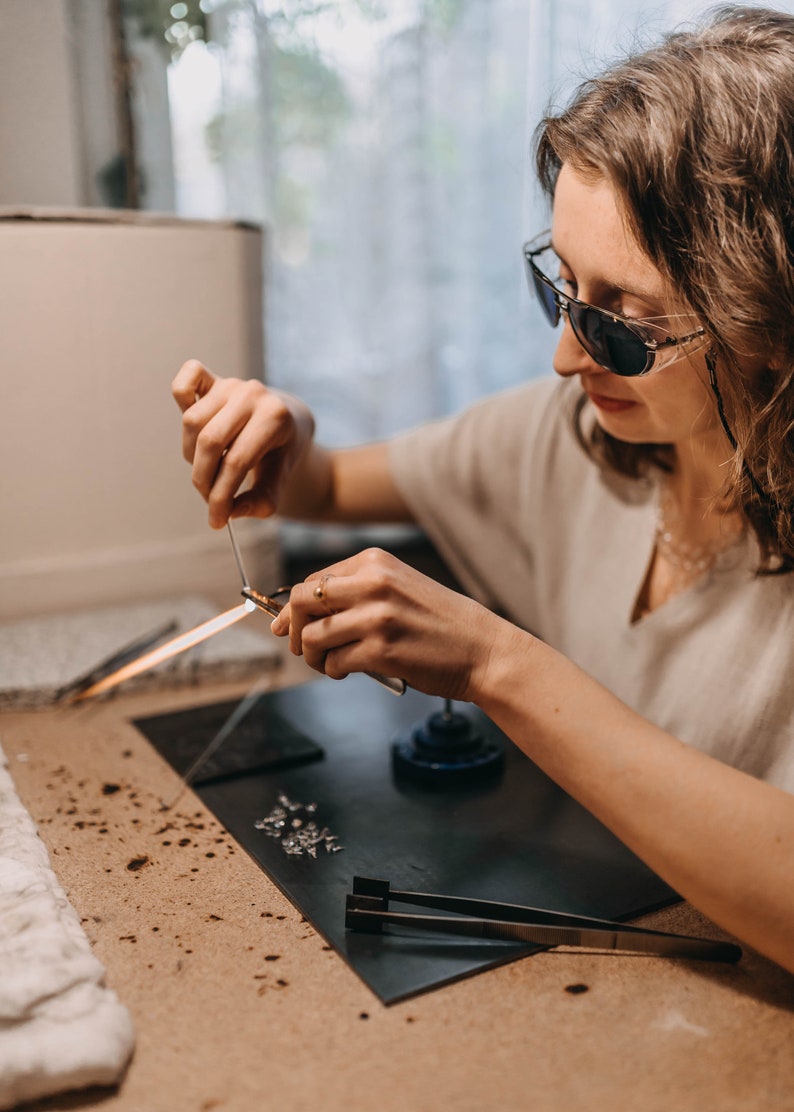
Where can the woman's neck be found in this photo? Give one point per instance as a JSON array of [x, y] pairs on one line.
[[694, 502], [698, 477], [693, 528]]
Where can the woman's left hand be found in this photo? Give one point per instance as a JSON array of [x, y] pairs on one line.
[[373, 613]]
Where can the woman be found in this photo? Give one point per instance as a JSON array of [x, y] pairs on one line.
[[635, 516]]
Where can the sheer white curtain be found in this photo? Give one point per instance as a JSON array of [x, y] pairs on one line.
[[386, 145]]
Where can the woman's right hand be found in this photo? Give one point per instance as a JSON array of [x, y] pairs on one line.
[[233, 429]]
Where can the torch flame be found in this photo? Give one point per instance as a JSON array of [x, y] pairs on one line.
[[171, 648]]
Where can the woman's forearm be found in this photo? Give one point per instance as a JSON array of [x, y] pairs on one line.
[[722, 839], [349, 485]]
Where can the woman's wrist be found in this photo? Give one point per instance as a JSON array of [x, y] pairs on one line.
[[502, 664]]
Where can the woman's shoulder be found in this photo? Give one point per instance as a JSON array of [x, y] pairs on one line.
[[500, 427], [523, 418], [549, 395]]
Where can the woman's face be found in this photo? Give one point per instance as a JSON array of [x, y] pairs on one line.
[[601, 264]]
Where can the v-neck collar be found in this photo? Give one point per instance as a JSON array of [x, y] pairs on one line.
[[733, 559]]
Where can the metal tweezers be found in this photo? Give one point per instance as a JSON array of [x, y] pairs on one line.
[[69, 692], [367, 909]]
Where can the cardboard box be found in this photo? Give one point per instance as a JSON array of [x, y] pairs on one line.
[[98, 310]]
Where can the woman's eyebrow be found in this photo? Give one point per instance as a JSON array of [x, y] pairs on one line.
[[618, 287]]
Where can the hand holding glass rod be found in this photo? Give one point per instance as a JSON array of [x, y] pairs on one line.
[[274, 608], [271, 606]]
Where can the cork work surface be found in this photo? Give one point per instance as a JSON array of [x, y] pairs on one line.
[[238, 1003]]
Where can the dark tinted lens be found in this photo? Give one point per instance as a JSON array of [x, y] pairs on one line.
[[546, 298], [610, 342]]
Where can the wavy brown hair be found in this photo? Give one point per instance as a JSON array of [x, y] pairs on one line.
[[697, 138]]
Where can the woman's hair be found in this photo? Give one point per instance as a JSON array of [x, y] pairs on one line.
[[696, 136]]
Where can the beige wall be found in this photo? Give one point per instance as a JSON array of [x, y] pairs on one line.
[[98, 312]]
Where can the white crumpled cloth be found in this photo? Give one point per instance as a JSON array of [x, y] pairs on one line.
[[60, 1026]]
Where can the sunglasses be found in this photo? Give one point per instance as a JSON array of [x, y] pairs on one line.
[[627, 346]]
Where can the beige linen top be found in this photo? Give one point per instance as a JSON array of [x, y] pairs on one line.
[[537, 531]]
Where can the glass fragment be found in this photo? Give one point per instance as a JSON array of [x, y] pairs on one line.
[[292, 824]]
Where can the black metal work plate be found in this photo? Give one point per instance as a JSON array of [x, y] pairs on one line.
[[519, 840], [261, 740]]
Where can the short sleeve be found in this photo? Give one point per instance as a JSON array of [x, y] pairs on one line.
[[472, 482]]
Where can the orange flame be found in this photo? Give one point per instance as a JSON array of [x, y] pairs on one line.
[[171, 648]]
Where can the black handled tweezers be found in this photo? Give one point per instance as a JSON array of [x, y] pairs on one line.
[[367, 909], [70, 692]]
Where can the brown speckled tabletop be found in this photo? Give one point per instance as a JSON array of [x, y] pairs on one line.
[[240, 1006]]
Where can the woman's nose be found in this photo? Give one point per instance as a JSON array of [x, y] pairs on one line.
[[570, 358]]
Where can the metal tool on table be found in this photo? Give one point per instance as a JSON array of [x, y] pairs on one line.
[[142, 663], [72, 691], [367, 909]]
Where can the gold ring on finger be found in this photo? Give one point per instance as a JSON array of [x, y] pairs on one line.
[[319, 592]]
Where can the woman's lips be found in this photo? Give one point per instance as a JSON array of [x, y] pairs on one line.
[[610, 405]]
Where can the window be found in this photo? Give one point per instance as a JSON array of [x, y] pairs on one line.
[[386, 146]]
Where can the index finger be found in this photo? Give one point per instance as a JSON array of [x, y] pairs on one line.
[[192, 381]]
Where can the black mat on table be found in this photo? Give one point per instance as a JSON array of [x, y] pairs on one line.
[[256, 739], [518, 839]]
